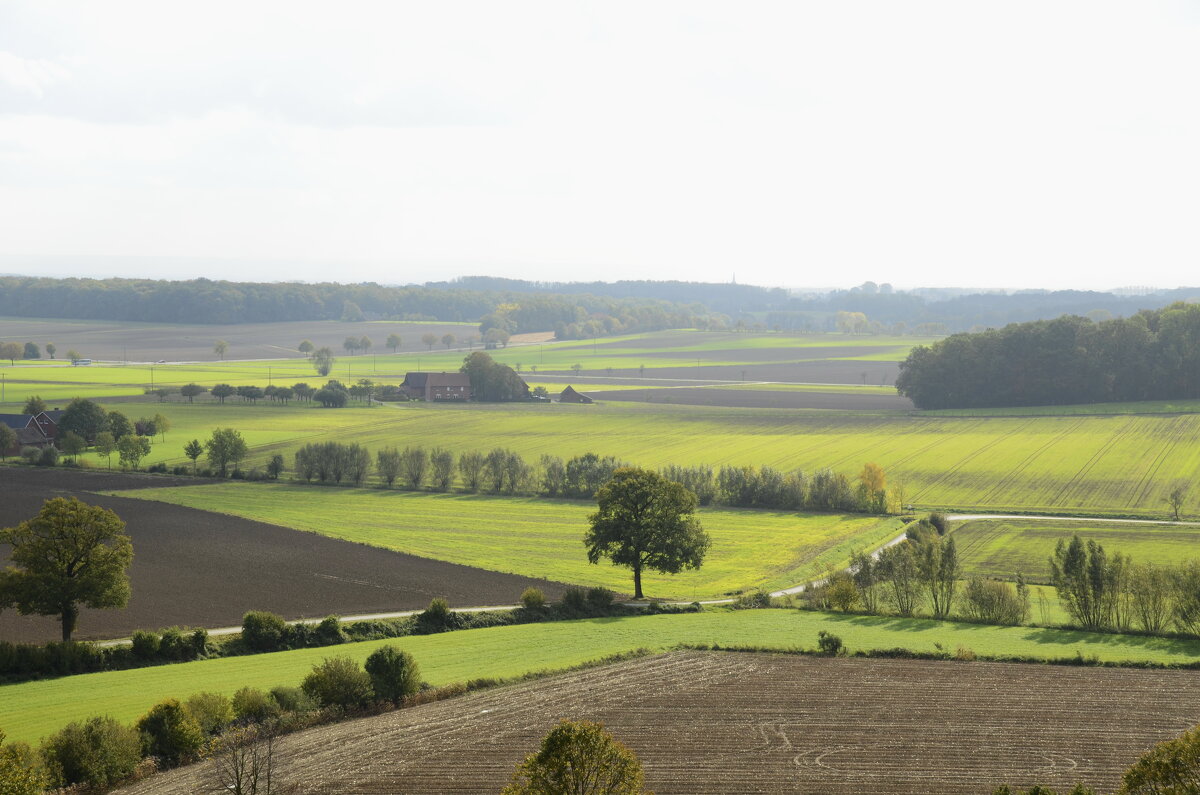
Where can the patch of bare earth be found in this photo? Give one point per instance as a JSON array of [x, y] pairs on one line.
[[721, 722]]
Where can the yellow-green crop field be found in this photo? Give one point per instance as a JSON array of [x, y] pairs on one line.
[[1001, 548], [32, 710], [544, 538]]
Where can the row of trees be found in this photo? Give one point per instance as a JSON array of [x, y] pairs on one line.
[[30, 350], [1102, 590], [1153, 355], [503, 471]]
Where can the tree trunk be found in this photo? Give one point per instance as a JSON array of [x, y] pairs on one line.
[[69, 618], [637, 582]]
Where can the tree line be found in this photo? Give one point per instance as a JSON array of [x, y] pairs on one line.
[[1153, 355], [219, 302], [504, 471]]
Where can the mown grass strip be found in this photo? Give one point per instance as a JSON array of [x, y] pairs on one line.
[[33, 709]]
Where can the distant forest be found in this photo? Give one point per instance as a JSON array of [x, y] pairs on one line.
[[220, 302], [1153, 355], [573, 310]]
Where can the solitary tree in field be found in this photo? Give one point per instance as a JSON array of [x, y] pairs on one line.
[[393, 342], [646, 522], [226, 448], [429, 339], [323, 361], [51, 349], [70, 555], [579, 757], [575, 368], [1175, 499], [10, 351], [220, 348], [448, 340], [193, 450], [305, 347]]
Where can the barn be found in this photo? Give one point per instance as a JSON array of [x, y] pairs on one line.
[[569, 395]]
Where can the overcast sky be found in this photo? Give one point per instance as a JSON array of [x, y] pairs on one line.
[[1043, 144]]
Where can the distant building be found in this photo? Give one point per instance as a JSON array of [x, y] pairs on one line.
[[569, 395], [36, 430], [437, 386]]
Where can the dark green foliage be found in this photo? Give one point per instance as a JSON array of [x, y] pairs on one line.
[[99, 752], [492, 381], [574, 599], [394, 674], [252, 705], [145, 645], [225, 448], [830, 644], [1170, 768], [1089, 583], [48, 457], [646, 522], [262, 631], [599, 599], [586, 473], [533, 599], [328, 632], [436, 617], [85, 418], [170, 733], [333, 462], [292, 699], [939, 522], [338, 682], [994, 602], [1149, 356], [212, 712]]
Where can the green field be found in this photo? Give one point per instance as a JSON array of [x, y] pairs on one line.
[[31, 710], [544, 538], [1001, 548]]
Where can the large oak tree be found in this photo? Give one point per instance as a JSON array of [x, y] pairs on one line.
[[70, 555], [646, 522]]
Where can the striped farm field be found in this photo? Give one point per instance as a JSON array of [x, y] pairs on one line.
[[1001, 548], [544, 538], [1120, 465], [32, 710]]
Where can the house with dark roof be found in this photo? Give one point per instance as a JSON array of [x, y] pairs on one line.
[[437, 386], [37, 430], [569, 395]]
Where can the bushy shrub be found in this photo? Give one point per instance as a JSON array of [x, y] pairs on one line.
[[181, 471], [22, 771], [394, 674], [26, 660], [328, 632], [211, 711], [338, 682], [99, 752], [754, 600], [533, 599], [145, 644], [575, 600], [48, 457], [172, 645], [830, 644], [994, 602], [938, 522], [31, 454], [292, 699], [252, 705], [263, 631], [599, 599], [170, 733], [160, 468], [436, 617]]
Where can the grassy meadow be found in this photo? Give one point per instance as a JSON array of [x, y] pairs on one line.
[[544, 538], [1001, 548], [32, 710]]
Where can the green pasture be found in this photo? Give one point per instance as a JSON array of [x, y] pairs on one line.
[[1132, 407], [544, 538], [32, 710], [1001, 548], [1123, 465]]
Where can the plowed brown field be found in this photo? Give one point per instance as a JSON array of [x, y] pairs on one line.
[[722, 722]]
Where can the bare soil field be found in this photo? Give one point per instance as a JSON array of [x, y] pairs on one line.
[[816, 372], [727, 722], [152, 342], [745, 398], [202, 569], [772, 354]]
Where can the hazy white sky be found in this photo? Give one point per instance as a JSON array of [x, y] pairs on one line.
[[795, 143]]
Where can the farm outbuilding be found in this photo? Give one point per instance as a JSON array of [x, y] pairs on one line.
[[437, 386], [569, 395]]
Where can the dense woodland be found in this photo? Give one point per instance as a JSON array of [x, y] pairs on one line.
[[1153, 355]]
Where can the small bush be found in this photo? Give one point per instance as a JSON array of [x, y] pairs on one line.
[[170, 733], [172, 645], [328, 632], [98, 753], [338, 682], [48, 457], [600, 599], [394, 674], [533, 599], [965, 653], [31, 454], [292, 699], [939, 523], [22, 771], [753, 601], [252, 705], [575, 600], [436, 617], [181, 471], [145, 645], [830, 644], [237, 474], [199, 642], [211, 711], [160, 468], [262, 631]]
